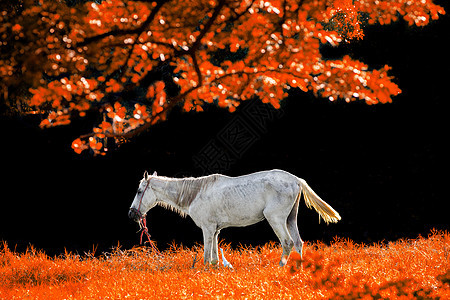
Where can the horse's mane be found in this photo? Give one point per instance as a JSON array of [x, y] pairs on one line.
[[188, 188]]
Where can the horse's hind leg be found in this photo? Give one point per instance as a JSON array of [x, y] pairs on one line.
[[278, 224], [295, 235], [293, 228]]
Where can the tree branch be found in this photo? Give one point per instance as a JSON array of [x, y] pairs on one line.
[[137, 30], [197, 69], [171, 102], [208, 25]]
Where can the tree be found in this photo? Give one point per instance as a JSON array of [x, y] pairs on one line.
[[128, 63]]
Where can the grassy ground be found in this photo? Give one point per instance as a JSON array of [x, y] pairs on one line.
[[417, 268]]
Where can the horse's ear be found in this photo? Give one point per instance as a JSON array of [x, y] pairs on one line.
[[145, 175], [155, 174]]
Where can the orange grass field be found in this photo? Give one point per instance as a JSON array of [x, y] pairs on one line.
[[405, 269]]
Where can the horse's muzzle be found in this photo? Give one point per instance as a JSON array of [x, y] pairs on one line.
[[134, 214]]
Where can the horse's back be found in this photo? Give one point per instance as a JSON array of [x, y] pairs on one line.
[[276, 179], [257, 182]]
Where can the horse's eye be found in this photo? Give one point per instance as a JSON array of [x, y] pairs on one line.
[[138, 192]]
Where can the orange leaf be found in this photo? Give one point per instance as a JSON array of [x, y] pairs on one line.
[[151, 91], [160, 86], [105, 125]]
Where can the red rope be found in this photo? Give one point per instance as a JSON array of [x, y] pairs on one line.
[[143, 224], [144, 229]]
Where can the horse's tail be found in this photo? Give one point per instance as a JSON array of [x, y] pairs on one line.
[[325, 211]]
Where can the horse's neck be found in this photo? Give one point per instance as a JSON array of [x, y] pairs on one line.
[[168, 193]]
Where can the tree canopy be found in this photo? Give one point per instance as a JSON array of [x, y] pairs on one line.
[[128, 63]]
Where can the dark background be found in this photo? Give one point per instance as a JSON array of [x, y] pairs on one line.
[[381, 167]]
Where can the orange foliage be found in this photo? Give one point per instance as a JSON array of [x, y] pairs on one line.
[[92, 57], [406, 269]]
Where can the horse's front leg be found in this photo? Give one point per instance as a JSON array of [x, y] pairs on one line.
[[215, 251], [208, 238]]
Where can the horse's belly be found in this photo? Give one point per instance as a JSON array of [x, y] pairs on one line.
[[244, 213], [242, 220]]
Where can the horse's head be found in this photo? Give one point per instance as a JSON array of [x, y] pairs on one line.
[[144, 200]]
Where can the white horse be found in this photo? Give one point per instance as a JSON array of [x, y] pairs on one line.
[[217, 201]]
